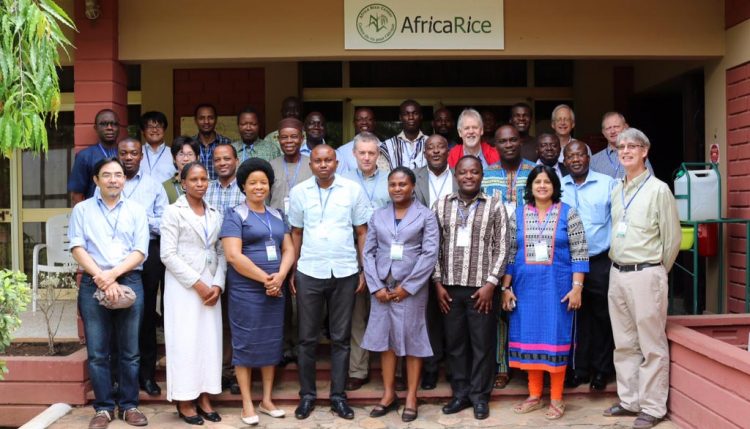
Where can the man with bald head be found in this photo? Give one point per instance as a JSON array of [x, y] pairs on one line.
[[443, 125], [323, 212], [606, 161], [364, 120]]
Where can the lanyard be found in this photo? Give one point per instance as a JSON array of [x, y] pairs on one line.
[[395, 222], [625, 206], [361, 177], [512, 185], [107, 153], [541, 226], [267, 223], [612, 163], [106, 217], [290, 184], [412, 155], [205, 227], [464, 216], [322, 204], [148, 159], [247, 148], [442, 185], [134, 188]]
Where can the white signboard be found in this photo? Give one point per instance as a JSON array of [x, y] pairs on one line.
[[423, 24]]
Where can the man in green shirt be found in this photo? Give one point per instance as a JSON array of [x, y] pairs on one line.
[[250, 144], [645, 242]]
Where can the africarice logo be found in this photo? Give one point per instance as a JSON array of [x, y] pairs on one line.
[[376, 23]]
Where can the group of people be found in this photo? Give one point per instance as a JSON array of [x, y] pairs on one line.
[[500, 250]]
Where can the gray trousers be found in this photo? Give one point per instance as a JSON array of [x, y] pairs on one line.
[[359, 358], [338, 296]]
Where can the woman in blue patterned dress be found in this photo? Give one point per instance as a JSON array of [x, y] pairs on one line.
[[547, 261]]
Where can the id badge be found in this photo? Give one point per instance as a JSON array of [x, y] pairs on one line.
[[319, 233], [118, 247], [286, 205], [397, 251], [271, 250], [463, 237], [540, 252], [510, 208], [622, 226], [209, 257]]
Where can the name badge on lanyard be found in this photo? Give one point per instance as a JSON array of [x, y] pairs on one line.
[[463, 236], [621, 228], [271, 250], [286, 205], [510, 208], [540, 252], [397, 251]]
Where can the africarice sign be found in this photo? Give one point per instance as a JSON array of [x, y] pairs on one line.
[[423, 24]]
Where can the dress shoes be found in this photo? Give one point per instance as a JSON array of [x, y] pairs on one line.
[[212, 416], [481, 410], [150, 387], [133, 417], [354, 383], [305, 407], [456, 405], [380, 410], [599, 382], [286, 360], [342, 409], [100, 420], [191, 420], [429, 380], [234, 388], [575, 380]]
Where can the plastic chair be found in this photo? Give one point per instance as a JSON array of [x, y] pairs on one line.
[[59, 259]]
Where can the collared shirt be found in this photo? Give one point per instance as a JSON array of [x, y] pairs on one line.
[[206, 155], [259, 149], [158, 163], [653, 232], [80, 179], [286, 177], [498, 182], [345, 156], [557, 167], [328, 216], [149, 194], [109, 236], [485, 258], [400, 151], [439, 186], [592, 199], [375, 187], [223, 198], [306, 151], [561, 158], [479, 156], [607, 162]]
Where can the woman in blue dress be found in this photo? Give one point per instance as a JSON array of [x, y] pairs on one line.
[[547, 260], [259, 253]]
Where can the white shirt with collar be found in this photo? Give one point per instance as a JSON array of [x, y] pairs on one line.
[[158, 163]]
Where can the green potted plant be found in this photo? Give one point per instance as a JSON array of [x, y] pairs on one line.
[[15, 294]]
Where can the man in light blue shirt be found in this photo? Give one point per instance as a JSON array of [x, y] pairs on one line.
[[109, 239], [589, 193], [157, 158], [374, 183], [324, 210], [606, 160], [364, 120], [150, 194]]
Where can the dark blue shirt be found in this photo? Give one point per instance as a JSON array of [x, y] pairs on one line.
[[80, 179]]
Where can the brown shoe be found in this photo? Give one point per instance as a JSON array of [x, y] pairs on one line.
[[501, 380], [354, 383], [616, 410], [101, 420], [134, 417]]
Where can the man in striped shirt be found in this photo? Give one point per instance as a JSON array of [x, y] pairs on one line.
[[407, 147], [472, 259]]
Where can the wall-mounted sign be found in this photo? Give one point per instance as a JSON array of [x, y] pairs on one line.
[[423, 24]]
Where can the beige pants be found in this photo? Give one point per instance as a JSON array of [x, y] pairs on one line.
[[638, 309], [359, 358]]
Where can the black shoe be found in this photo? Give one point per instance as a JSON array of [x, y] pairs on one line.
[[342, 409], [191, 420], [213, 416], [380, 410], [599, 382], [456, 405], [481, 410], [354, 383], [305, 407], [286, 360], [400, 384], [150, 387], [429, 380], [234, 388], [575, 381]]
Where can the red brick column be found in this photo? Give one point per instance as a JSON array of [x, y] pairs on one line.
[[100, 79], [738, 179]]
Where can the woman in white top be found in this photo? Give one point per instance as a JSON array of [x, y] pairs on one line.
[[194, 281]]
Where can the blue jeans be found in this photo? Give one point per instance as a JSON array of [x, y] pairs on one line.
[[100, 325]]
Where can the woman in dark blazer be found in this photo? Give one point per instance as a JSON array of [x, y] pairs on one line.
[[400, 254]]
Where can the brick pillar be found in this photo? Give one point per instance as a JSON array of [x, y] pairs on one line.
[[100, 79]]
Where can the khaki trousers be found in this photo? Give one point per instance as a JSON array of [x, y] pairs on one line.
[[359, 358], [638, 309]]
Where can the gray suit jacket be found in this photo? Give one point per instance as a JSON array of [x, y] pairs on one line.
[[422, 188], [419, 233]]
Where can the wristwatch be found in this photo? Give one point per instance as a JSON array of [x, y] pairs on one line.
[[575, 283]]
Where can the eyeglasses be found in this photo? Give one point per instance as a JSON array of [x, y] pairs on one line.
[[629, 146], [185, 155], [108, 124], [154, 127]]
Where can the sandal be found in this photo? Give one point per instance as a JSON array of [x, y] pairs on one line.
[[529, 405], [409, 415], [501, 380], [554, 412]]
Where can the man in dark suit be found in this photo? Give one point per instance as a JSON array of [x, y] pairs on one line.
[[548, 150], [434, 181]]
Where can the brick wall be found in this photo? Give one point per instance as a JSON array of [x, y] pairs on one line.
[[230, 90], [738, 179]]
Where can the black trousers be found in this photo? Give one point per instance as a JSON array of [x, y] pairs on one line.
[[153, 276], [595, 345], [313, 295], [470, 345], [435, 331]]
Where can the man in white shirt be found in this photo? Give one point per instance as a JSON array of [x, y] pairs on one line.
[[157, 159]]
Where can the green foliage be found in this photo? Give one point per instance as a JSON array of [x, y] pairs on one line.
[[15, 293], [30, 36]]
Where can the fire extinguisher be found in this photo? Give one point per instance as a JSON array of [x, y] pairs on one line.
[[708, 237]]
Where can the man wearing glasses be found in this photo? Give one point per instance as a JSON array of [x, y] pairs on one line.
[[645, 240], [157, 159], [80, 184], [563, 122]]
